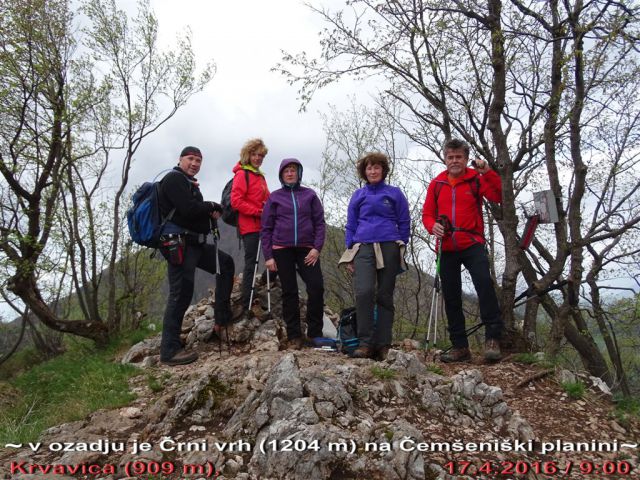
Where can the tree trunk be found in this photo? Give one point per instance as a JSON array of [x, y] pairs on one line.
[[26, 288], [590, 355]]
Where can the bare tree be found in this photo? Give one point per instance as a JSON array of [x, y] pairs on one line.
[[63, 113], [148, 88], [530, 86]]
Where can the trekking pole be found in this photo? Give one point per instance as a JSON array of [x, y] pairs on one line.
[[435, 297], [268, 292], [530, 294], [255, 271], [216, 235], [433, 310]]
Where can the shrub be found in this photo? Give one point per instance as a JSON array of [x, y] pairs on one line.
[[575, 390]]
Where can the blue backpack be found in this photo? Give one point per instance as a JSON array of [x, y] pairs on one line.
[[143, 217]]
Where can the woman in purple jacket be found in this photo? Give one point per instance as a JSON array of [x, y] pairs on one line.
[[292, 235], [378, 224]]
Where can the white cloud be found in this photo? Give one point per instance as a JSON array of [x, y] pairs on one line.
[[245, 98]]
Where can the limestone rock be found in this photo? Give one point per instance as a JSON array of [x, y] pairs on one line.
[[283, 382], [292, 450], [405, 362], [145, 348], [565, 376], [304, 414], [410, 344], [329, 389], [520, 429]]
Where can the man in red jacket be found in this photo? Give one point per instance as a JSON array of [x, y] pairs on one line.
[[453, 212]]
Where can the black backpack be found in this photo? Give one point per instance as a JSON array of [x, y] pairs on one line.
[[348, 331], [230, 214]]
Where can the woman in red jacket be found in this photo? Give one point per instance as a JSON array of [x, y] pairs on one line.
[[248, 195]]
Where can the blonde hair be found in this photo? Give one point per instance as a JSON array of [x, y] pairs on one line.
[[255, 145]]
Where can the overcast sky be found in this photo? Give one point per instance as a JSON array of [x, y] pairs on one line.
[[244, 99]]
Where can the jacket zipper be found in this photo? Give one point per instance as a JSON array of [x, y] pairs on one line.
[[453, 217], [295, 219]]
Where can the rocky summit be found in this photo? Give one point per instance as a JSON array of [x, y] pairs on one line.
[[249, 410]]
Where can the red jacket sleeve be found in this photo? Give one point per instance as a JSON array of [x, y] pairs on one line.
[[491, 186], [429, 208]]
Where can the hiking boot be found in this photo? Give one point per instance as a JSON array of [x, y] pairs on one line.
[[181, 358], [492, 350], [295, 344], [307, 342], [363, 352], [382, 352], [456, 355]]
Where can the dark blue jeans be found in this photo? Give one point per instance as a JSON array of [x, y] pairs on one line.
[[476, 261], [288, 260], [181, 279]]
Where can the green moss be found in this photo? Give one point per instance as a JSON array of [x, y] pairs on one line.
[[383, 373], [435, 368], [526, 358], [154, 384], [214, 389]]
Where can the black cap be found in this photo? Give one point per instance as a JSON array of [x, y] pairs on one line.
[[191, 151]]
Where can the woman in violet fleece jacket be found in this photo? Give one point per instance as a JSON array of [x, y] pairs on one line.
[[292, 235], [377, 219]]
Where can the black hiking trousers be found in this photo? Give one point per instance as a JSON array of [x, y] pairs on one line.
[[250, 242], [476, 261], [288, 260], [181, 283]]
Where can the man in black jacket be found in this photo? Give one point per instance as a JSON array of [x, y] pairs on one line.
[[186, 244]]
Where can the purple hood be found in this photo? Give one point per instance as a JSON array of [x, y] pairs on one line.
[[283, 164], [292, 217]]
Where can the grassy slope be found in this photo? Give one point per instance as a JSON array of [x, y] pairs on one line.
[[65, 389]]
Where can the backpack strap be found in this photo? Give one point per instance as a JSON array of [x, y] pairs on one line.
[[169, 215], [246, 177], [436, 194], [157, 192], [474, 185]]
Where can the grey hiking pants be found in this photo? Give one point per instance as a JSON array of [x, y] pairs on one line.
[[375, 287]]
